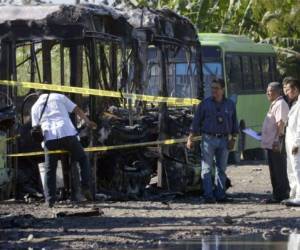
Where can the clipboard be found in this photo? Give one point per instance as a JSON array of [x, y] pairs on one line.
[[252, 133]]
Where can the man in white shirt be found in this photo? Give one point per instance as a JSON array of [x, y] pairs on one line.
[[272, 130], [293, 142], [60, 134]]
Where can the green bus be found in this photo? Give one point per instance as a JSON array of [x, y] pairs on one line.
[[247, 67]]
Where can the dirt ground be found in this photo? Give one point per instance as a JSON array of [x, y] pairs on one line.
[[149, 224]]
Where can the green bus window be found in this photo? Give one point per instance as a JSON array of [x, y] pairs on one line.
[[247, 73], [273, 68], [212, 70], [211, 52], [234, 73], [212, 66], [258, 83], [266, 70]]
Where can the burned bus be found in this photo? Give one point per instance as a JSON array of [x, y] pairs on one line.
[[115, 48]]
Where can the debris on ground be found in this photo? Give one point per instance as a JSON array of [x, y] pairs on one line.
[[88, 213]]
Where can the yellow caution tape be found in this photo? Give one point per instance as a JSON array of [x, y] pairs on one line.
[[100, 92], [106, 148]]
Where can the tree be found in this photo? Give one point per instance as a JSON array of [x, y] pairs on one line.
[[274, 21]]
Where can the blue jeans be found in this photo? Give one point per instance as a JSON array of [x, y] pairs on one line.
[[214, 147], [73, 146]]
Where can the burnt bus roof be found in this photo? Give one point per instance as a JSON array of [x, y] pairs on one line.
[[161, 25], [119, 23], [47, 22]]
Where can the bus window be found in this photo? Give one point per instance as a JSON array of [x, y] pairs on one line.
[[257, 74], [213, 69], [181, 76], [267, 76], [234, 73], [247, 73], [211, 52], [171, 80], [212, 66], [151, 53], [273, 68], [23, 61], [153, 84], [184, 76]]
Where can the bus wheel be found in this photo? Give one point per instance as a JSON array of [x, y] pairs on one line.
[[235, 156], [254, 154]]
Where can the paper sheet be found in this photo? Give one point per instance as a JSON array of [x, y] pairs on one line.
[[252, 133]]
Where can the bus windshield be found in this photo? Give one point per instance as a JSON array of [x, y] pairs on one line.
[[212, 66]]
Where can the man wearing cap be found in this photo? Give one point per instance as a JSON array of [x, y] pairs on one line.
[[272, 131], [216, 121]]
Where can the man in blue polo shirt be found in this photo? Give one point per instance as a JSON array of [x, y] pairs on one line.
[[216, 121]]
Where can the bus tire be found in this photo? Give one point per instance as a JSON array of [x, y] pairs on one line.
[[235, 156], [254, 154]]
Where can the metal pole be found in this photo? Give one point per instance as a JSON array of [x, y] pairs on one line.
[[163, 116]]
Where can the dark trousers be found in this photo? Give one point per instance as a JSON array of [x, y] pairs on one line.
[[73, 146], [278, 173]]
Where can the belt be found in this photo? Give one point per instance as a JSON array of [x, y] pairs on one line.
[[217, 135]]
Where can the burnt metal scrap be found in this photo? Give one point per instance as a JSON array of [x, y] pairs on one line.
[[135, 167], [169, 33], [68, 22], [111, 48], [7, 112], [160, 26]]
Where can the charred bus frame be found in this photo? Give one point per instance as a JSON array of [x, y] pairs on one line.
[[106, 46]]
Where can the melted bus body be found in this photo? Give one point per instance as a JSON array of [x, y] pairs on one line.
[[102, 47]]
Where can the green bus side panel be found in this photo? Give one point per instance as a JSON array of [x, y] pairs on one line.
[[234, 43], [252, 109]]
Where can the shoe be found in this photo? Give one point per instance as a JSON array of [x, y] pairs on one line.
[[271, 201], [78, 197], [87, 194], [49, 204], [283, 202], [209, 201], [292, 203], [225, 200]]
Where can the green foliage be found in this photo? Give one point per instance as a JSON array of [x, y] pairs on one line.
[[276, 21]]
